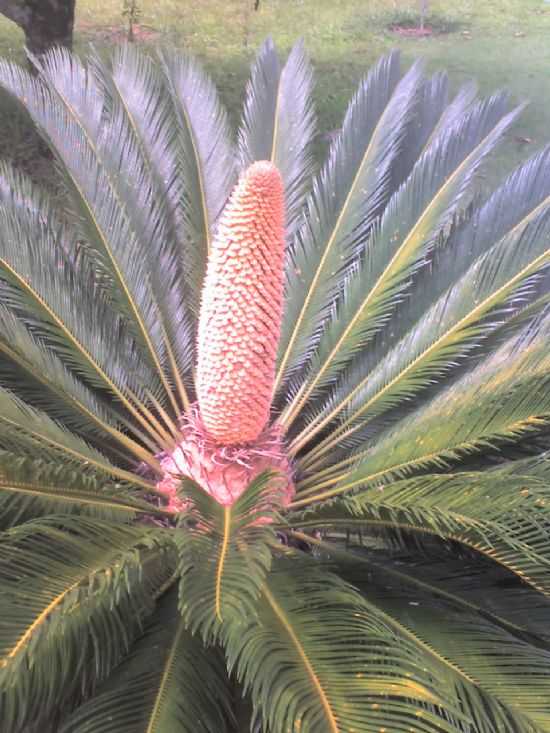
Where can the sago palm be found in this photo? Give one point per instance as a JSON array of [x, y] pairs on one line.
[[272, 440]]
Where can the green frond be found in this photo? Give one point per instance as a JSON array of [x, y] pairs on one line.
[[474, 652], [26, 430], [45, 279], [75, 594], [426, 115], [433, 114], [224, 555], [67, 107], [316, 658], [391, 591], [31, 487], [36, 374], [502, 400], [279, 123], [462, 577], [502, 512], [471, 582], [480, 278], [205, 159], [347, 197], [519, 200], [135, 94], [170, 683], [437, 189], [453, 110]]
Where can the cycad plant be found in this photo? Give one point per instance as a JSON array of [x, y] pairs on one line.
[[272, 440]]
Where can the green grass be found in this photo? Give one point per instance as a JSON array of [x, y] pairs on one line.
[[500, 43]]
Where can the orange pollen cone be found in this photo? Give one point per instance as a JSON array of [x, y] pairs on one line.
[[241, 309]]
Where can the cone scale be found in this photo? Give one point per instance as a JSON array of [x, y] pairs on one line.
[[226, 439], [240, 318]]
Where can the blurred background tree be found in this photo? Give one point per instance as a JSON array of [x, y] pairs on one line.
[[131, 12], [45, 23]]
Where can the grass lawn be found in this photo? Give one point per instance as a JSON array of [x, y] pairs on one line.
[[500, 43]]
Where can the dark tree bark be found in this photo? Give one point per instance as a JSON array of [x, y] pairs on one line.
[[46, 23]]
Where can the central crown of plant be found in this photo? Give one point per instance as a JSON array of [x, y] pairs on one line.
[[226, 440]]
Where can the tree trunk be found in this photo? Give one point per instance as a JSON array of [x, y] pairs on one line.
[[50, 23], [46, 23]]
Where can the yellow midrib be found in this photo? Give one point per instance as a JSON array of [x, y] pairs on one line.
[[221, 564], [279, 613], [106, 468], [43, 490], [37, 622], [164, 679]]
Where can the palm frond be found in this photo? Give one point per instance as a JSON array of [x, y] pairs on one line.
[[67, 107], [28, 431], [75, 593], [279, 123], [501, 278], [317, 658], [426, 204], [470, 582], [169, 683], [519, 200], [35, 373], [435, 91], [503, 399], [205, 159], [224, 555], [500, 512], [439, 569], [31, 487], [135, 98], [432, 102], [473, 652], [37, 260], [347, 197], [481, 651]]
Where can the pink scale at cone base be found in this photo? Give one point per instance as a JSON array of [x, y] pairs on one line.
[[223, 471]]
